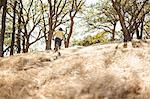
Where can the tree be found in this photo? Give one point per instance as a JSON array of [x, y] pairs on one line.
[[14, 29], [144, 22], [75, 7], [3, 29], [31, 19], [102, 16], [110, 18], [130, 13]]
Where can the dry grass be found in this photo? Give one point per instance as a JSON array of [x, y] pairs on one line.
[[94, 72]]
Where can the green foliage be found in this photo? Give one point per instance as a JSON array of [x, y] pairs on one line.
[[89, 40], [7, 41]]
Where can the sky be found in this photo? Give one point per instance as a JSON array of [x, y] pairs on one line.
[[88, 2]]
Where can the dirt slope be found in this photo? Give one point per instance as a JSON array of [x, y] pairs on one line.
[[95, 72]]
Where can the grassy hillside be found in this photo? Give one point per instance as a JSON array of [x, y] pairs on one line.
[[95, 72]]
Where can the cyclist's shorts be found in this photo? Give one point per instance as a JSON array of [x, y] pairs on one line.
[[58, 41]]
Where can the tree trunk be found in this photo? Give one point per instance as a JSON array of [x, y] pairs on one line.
[[50, 34], [19, 30], [126, 33], [127, 36], [3, 29], [49, 41], [65, 41], [27, 48], [46, 45], [25, 38], [140, 33], [14, 29], [142, 26], [137, 33], [70, 32], [113, 31], [27, 45], [23, 43]]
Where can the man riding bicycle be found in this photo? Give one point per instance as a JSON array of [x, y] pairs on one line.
[[59, 36]]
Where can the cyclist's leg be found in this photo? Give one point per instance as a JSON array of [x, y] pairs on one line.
[[60, 44], [56, 44], [57, 49]]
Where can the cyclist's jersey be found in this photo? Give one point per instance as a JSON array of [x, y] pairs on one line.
[[59, 34]]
